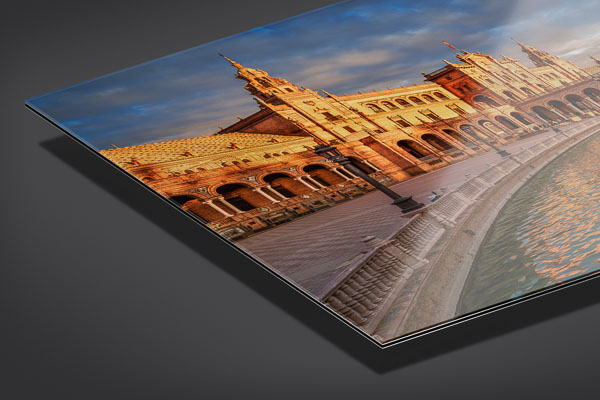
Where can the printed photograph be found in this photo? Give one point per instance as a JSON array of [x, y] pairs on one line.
[[405, 164]]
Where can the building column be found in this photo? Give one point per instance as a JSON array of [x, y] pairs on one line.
[[299, 179], [554, 110], [594, 104], [261, 190], [310, 178], [371, 165], [228, 204], [571, 107], [349, 172], [209, 203], [339, 174]]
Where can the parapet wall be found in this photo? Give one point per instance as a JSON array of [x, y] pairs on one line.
[[379, 290]]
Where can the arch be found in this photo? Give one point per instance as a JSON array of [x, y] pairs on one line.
[[416, 100], [528, 91], [546, 114], [490, 126], [413, 148], [403, 103], [437, 142], [242, 197], [367, 169], [521, 118], [429, 98], [205, 212], [592, 93], [578, 102], [486, 100], [182, 199], [440, 95], [389, 105], [285, 185], [322, 174], [510, 95], [477, 134], [506, 122], [455, 135], [374, 107], [562, 108]]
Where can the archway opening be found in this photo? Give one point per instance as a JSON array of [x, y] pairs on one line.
[[181, 200], [285, 185], [456, 136], [364, 167], [578, 102], [242, 197], [562, 108], [437, 142], [322, 175], [413, 148], [592, 93], [486, 100], [528, 91], [510, 95], [477, 134], [490, 126], [546, 114], [506, 122], [519, 117]]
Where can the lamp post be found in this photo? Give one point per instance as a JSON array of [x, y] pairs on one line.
[[331, 153]]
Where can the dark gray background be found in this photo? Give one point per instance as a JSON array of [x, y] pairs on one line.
[[108, 293]]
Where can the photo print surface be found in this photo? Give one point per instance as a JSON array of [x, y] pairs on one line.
[[404, 164]]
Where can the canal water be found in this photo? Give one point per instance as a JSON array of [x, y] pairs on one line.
[[547, 233]]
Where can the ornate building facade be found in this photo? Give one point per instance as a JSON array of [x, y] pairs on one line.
[[262, 171]]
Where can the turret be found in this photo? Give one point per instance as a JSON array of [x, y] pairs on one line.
[[261, 84]]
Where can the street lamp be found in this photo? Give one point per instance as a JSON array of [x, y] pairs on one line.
[[331, 153]]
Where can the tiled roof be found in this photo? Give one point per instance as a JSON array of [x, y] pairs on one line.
[[195, 147]]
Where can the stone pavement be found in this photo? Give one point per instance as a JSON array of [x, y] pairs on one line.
[[313, 250]]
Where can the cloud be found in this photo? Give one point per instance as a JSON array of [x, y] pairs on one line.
[[356, 45]]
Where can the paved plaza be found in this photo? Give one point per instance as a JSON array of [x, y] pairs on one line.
[[313, 250]]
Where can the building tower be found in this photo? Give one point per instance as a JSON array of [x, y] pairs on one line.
[[542, 58], [326, 118]]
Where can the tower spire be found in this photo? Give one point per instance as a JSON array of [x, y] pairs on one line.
[[235, 64]]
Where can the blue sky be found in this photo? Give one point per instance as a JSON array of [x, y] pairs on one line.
[[345, 48]]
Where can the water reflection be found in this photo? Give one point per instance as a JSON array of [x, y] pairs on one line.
[[548, 233]]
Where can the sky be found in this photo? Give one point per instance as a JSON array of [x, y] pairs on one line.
[[348, 47]]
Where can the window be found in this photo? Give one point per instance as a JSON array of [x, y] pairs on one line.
[[403, 103], [402, 122], [429, 98], [389, 105], [374, 108], [457, 109], [349, 129], [329, 116], [416, 100], [431, 115], [440, 96]]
